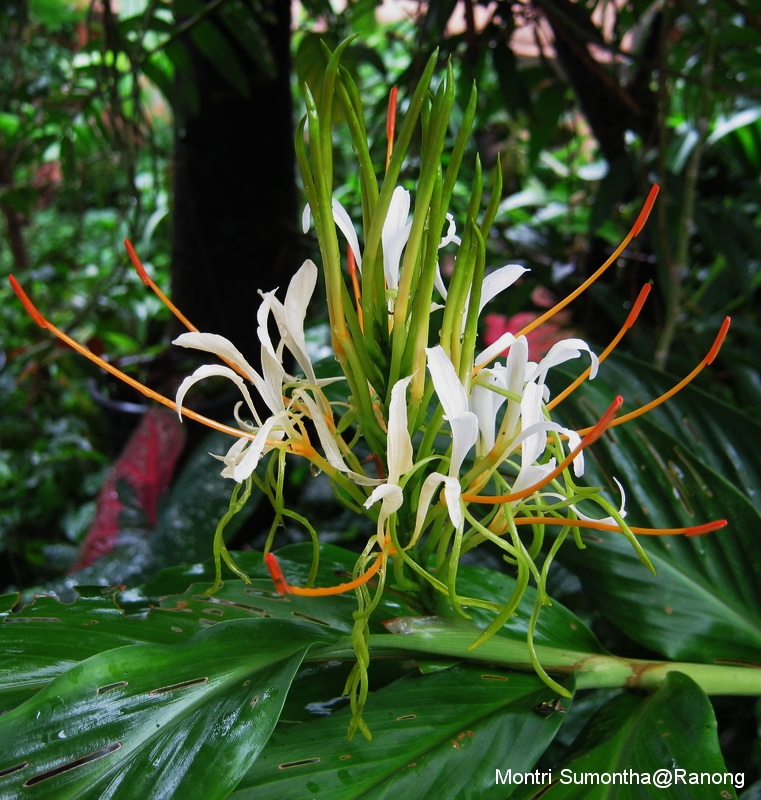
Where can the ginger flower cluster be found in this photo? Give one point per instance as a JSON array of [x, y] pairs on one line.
[[444, 446]]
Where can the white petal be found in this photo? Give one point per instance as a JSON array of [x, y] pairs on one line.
[[532, 419], [464, 434], [486, 404], [516, 364], [328, 442], [451, 235], [499, 280], [291, 316], [270, 387], [438, 282], [399, 443], [608, 520], [213, 370], [345, 225], [249, 459], [452, 496], [532, 474], [495, 349], [562, 351], [451, 393], [306, 215], [394, 236], [262, 319], [391, 497], [214, 343]]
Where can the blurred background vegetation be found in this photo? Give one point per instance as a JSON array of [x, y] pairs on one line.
[[170, 122]]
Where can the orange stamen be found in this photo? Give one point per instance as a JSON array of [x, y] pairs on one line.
[[148, 281], [283, 587], [711, 355], [355, 286], [696, 530], [35, 314], [592, 436], [635, 230], [633, 314], [391, 123], [276, 573]]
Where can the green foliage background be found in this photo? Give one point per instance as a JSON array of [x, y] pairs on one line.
[[158, 690]]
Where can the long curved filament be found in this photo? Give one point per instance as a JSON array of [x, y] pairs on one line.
[[630, 320], [635, 230], [694, 530], [710, 356], [153, 286], [35, 314], [592, 436], [283, 587]]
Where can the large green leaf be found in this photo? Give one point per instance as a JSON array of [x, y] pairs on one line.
[[704, 602], [440, 735], [155, 721], [631, 743], [42, 640]]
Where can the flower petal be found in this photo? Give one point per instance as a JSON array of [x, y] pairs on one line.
[[452, 496], [328, 441], [495, 349], [399, 443], [562, 351], [214, 343], [215, 370], [394, 236], [499, 280], [346, 226]]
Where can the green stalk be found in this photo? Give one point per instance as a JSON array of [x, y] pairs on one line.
[[433, 143], [451, 639], [373, 284]]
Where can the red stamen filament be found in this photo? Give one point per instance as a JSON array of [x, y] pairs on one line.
[[635, 230], [130, 381], [283, 587], [352, 264], [391, 123], [148, 281], [712, 353], [592, 436], [696, 530], [633, 314]]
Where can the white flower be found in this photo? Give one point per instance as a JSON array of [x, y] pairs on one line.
[[244, 455], [399, 456], [464, 426], [343, 223], [394, 235], [242, 458]]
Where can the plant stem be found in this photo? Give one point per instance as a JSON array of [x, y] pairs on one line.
[[437, 636]]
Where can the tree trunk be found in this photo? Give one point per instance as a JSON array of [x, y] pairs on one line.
[[235, 203]]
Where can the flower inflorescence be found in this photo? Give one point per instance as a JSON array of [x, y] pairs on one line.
[[463, 448]]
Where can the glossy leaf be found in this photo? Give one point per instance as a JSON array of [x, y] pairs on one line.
[[687, 463], [669, 736], [556, 627], [155, 721], [440, 735], [42, 640]]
